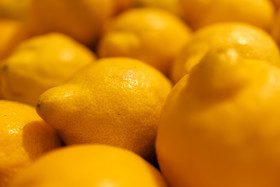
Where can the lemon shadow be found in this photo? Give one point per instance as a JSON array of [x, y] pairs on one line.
[[39, 138]]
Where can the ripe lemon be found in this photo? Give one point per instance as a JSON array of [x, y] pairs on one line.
[[24, 136], [80, 19], [90, 165], [169, 5], [221, 127], [116, 101], [40, 63], [11, 34], [201, 13], [250, 42], [151, 35]]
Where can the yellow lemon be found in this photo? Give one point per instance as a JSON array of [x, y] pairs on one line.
[[220, 127], [14, 9], [169, 5], [249, 41], [205, 12], [11, 34], [88, 166], [40, 63], [24, 136], [116, 101], [80, 19], [151, 35]]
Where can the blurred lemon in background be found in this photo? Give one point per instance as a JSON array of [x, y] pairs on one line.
[[115, 101], [221, 127], [91, 165], [24, 136], [80, 19], [11, 33], [151, 35], [169, 5], [249, 41], [199, 13], [40, 63]]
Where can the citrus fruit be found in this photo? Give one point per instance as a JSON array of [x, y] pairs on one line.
[[80, 19], [249, 41], [40, 63], [24, 136], [90, 165], [148, 34], [201, 13], [11, 34], [219, 126], [169, 5], [115, 101]]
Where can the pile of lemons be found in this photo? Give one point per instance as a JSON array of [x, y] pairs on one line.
[[139, 93]]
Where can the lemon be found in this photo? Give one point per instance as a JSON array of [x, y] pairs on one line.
[[40, 63], [199, 13], [90, 165], [115, 101], [220, 127], [169, 5], [80, 19], [11, 34], [249, 41], [148, 34], [24, 136]]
